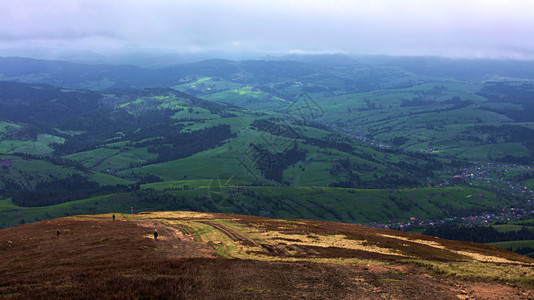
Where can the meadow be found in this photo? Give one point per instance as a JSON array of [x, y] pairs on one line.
[[354, 143], [230, 196]]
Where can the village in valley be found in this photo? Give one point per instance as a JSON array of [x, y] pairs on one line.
[[499, 178]]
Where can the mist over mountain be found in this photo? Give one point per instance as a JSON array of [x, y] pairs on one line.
[[106, 76], [253, 149]]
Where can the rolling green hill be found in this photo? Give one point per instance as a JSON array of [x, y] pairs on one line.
[[326, 139], [363, 206]]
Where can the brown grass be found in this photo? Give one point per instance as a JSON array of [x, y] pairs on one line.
[[95, 257]]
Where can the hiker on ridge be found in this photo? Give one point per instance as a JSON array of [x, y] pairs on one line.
[[155, 234]]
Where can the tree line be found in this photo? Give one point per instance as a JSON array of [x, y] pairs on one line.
[[479, 234], [66, 189]]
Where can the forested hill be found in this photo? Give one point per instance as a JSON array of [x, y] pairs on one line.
[[356, 74], [60, 145], [47, 107], [317, 137], [104, 77]]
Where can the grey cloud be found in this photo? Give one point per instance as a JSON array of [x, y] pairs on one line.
[[413, 27]]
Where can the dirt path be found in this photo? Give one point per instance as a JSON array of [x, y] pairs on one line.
[[484, 290], [232, 234], [238, 237], [100, 259], [173, 243]]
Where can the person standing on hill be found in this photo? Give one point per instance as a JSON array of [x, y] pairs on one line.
[[155, 234], [113, 217], [58, 232]]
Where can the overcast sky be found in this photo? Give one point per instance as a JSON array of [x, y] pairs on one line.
[[458, 28]]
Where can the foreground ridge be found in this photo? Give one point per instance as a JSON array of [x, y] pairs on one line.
[[211, 255]]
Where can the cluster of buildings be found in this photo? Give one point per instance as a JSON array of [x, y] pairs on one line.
[[504, 216]]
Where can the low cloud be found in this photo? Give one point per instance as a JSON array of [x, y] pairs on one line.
[[469, 28]]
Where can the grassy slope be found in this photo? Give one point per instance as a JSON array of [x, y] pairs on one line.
[[427, 127], [513, 244], [29, 172], [315, 171], [514, 226], [321, 203], [99, 258], [330, 204]]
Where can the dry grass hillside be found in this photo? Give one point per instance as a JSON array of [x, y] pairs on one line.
[[221, 256]]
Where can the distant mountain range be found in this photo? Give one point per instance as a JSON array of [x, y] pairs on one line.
[[100, 76], [393, 142]]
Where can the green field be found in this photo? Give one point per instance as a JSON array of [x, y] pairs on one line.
[[514, 244], [529, 183], [32, 147], [349, 143], [511, 227], [435, 126], [5, 127], [207, 85], [201, 183], [108, 159], [204, 165], [30, 172], [321, 203]]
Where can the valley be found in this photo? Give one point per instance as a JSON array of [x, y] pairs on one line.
[[266, 149], [381, 145]]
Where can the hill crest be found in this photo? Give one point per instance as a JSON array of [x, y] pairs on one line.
[[211, 255]]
